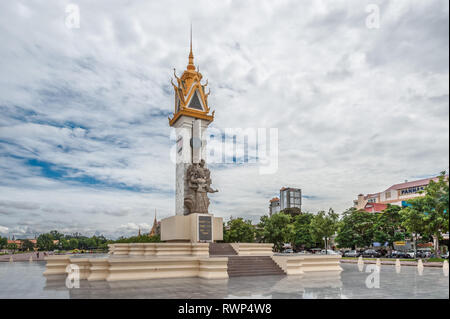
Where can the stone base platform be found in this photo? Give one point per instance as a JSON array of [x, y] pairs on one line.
[[253, 249], [141, 261], [138, 268], [300, 264], [159, 249]]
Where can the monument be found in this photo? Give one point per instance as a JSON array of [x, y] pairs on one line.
[[188, 248], [192, 221]]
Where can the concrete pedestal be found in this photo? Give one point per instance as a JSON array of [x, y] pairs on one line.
[[192, 228]]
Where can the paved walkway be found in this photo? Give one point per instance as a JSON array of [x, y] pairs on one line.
[[25, 256], [392, 262]]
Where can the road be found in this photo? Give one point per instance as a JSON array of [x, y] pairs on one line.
[[25, 256]]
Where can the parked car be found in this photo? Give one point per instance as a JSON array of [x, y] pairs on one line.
[[288, 251], [352, 253], [423, 253], [371, 253], [411, 254], [391, 254], [328, 252], [398, 254]]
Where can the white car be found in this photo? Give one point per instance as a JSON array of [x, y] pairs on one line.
[[411, 254], [329, 252]]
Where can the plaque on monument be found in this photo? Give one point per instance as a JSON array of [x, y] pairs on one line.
[[205, 228]]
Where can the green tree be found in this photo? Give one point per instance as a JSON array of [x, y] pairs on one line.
[[100, 241], [91, 243], [435, 206], [27, 245], [73, 243], [64, 243], [82, 242], [324, 225], [413, 219], [56, 235], [45, 242], [293, 211], [278, 230], [12, 246], [301, 235], [3, 242], [239, 230], [259, 229], [388, 226], [355, 228], [139, 239]]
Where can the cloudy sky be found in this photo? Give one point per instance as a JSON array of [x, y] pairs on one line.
[[84, 135]]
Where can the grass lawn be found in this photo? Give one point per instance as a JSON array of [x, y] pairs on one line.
[[436, 260]]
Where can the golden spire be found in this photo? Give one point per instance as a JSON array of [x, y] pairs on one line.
[[191, 65], [190, 97], [155, 225]]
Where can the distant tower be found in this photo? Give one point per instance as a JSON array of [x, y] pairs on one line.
[[154, 228], [139, 232], [290, 198], [190, 119], [274, 206]]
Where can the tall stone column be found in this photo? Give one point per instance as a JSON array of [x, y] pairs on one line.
[[191, 148]]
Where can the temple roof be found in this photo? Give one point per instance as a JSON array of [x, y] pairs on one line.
[[190, 96]]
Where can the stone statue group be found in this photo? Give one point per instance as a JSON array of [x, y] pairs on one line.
[[198, 178]]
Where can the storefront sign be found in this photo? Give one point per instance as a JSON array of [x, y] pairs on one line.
[[412, 190]]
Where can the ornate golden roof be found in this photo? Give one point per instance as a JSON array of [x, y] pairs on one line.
[[190, 97], [155, 225]]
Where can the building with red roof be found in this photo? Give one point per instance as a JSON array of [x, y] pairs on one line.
[[397, 194], [375, 207], [274, 206]]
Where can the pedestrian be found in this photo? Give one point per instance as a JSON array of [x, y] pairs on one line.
[[37, 255]]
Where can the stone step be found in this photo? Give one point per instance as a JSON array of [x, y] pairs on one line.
[[258, 266], [252, 266], [255, 273], [254, 270], [249, 263], [242, 258]]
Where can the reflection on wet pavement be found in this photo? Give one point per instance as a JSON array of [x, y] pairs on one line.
[[25, 280]]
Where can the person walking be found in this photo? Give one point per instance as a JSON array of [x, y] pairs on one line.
[[37, 254]]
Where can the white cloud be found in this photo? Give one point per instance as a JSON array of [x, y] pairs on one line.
[[356, 109]]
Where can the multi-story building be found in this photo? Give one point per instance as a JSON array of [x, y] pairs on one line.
[[274, 206], [289, 198], [397, 194]]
